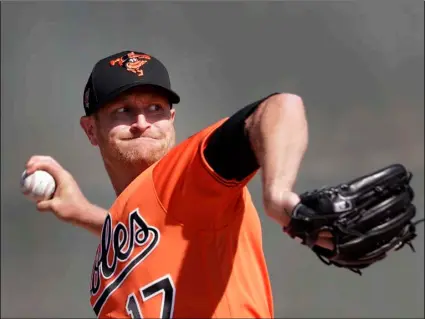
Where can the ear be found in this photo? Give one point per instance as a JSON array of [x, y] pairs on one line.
[[88, 124], [172, 114]]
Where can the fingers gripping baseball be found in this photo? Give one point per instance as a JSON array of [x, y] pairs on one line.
[[67, 198], [48, 164]]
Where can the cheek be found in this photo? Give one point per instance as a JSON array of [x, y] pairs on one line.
[[166, 129], [164, 125], [108, 136], [117, 131]]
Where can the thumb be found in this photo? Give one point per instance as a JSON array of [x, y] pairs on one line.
[[46, 205]]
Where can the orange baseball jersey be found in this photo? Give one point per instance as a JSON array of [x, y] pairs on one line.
[[181, 242]]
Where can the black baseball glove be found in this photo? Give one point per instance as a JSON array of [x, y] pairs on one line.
[[367, 217]]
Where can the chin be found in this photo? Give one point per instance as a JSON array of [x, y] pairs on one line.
[[138, 152], [143, 157]]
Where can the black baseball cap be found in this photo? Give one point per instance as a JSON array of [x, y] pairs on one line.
[[119, 72]]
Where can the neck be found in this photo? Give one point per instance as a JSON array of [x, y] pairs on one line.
[[121, 176]]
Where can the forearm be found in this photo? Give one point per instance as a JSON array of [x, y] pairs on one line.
[[91, 218], [279, 136]]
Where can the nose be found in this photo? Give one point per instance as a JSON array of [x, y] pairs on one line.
[[140, 124]]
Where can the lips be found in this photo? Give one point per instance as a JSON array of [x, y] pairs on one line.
[[140, 137]]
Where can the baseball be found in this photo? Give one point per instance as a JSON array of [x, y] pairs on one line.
[[38, 186]]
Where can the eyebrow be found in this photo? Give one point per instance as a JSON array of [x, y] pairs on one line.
[[130, 102]]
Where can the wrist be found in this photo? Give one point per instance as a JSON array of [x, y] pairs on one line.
[[279, 202], [274, 186], [77, 215], [90, 217]]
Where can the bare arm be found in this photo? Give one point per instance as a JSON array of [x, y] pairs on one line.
[[279, 137], [278, 133], [91, 218]]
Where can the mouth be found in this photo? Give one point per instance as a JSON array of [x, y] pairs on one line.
[[141, 138]]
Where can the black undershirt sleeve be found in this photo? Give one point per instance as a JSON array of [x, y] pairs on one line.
[[229, 151]]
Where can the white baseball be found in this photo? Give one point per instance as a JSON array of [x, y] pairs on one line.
[[38, 186]]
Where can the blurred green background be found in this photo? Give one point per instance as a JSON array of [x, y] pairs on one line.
[[358, 65]]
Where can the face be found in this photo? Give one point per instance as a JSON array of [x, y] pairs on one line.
[[136, 129]]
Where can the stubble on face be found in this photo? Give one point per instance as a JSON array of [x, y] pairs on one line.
[[127, 146], [139, 152]]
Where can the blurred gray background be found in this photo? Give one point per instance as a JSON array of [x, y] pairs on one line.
[[358, 65]]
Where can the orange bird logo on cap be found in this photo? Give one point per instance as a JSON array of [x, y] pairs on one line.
[[133, 62]]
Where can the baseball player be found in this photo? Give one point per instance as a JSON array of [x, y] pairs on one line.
[[183, 238]]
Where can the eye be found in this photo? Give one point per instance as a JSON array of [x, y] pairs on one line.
[[123, 109], [154, 108]]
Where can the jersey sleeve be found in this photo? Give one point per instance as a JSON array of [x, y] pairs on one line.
[[191, 191], [228, 151]]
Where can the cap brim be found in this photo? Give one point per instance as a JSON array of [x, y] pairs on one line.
[[173, 97]]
